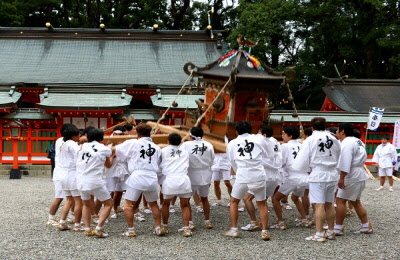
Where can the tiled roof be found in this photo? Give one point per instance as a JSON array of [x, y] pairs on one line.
[[52, 58], [28, 113], [184, 101], [140, 114], [8, 97], [360, 95], [82, 101]]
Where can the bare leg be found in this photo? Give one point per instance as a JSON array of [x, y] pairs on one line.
[[233, 212], [299, 206], [206, 207], [128, 212], [137, 203], [165, 211], [145, 202], [87, 212], [228, 186], [382, 180], [330, 215], [108, 204], [161, 197], [92, 207], [306, 202], [340, 211], [173, 201], [248, 202], [276, 201], [196, 199], [78, 209], [97, 206], [390, 181], [217, 190], [156, 212], [264, 216], [65, 209], [54, 206], [117, 200], [361, 211], [319, 216], [185, 207]]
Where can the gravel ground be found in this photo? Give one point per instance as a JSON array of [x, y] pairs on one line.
[[24, 234]]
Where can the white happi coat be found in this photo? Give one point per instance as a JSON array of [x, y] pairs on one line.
[[56, 173], [201, 157], [385, 155], [174, 167], [273, 166], [289, 154], [90, 164], [118, 169], [143, 157], [67, 154], [319, 155], [221, 162], [247, 154], [352, 159]]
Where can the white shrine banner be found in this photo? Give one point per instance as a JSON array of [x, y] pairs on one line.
[[375, 116], [396, 134]]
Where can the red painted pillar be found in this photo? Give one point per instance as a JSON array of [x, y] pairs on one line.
[[15, 152]]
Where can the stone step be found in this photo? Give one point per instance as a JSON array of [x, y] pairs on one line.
[[27, 167], [37, 170]]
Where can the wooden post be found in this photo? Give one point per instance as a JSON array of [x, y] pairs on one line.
[[15, 152]]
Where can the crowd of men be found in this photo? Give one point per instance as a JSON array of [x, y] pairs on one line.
[[326, 168]]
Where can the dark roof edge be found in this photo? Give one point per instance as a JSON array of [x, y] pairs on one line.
[[362, 81], [83, 107], [93, 33], [318, 112]]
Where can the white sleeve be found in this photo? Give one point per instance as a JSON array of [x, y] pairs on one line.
[[231, 156], [345, 158], [302, 161], [375, 158], [74, 149], [123, 150], [268, 152], [212, 153], [285, 153]]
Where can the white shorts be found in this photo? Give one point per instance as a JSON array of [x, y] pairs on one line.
[[322, 192], [73, 193], [184, 195], [386, 172], [121, 185], [220, 175], [270, 187], [202, 190], [102, 194], [134, 194], [240, 189], [352, 191], [111, 183], [287, 188], [58, 191]]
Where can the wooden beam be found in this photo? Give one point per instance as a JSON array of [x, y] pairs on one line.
[[369, 172], [219, 145], [157, 138]]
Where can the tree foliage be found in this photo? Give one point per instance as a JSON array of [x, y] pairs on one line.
[[314, 35]]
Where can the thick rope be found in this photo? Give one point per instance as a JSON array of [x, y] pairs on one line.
[[294, 108], [166, 111], [208, 108]]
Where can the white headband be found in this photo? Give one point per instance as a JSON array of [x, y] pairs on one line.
[[195, 137]]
